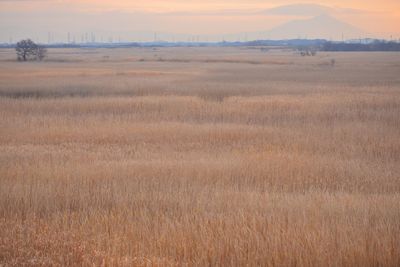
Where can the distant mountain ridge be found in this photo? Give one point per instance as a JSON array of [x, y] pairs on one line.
[[300, 10], [322, 26]]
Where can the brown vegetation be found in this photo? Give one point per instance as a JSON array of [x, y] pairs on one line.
[[184, 163]]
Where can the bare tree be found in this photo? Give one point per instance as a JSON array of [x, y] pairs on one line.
[[308, 51], [28, 50], [41, 52], [25, 49]]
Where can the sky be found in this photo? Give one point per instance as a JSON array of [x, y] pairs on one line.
[[185, 20]]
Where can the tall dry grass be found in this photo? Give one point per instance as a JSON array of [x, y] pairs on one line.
[[193, 162]]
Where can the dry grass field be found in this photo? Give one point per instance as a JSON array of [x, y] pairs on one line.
[[199, 157]]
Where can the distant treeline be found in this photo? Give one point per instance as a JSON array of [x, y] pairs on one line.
[[373, 46], [299, 44], [287, 43]]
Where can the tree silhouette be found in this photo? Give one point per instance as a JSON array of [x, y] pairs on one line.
[[41, 52], [27, 49]]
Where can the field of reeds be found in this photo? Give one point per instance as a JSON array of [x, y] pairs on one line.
[[199, 157]]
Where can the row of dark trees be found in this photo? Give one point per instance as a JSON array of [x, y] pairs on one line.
[[373, 46], [307, 51], [28, 50]]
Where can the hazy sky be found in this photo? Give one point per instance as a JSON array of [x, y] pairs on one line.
[[139, 20]]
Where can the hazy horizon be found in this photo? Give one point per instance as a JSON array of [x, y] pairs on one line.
[[91, 20]]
